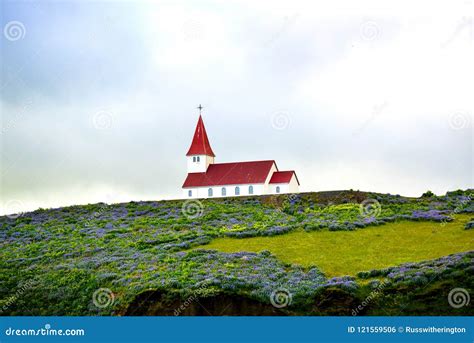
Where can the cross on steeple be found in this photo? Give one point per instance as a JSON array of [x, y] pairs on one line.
[[200, 108]]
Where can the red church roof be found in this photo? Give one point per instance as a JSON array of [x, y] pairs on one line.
[[200, 144], [235, 173], [283, 177]]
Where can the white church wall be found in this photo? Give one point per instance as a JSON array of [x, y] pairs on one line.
[[283, 188], [291, 187], [258, 189], [203, 192], [186, 193], [266, 187]]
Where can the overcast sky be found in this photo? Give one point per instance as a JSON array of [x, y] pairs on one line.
[[98, 99]]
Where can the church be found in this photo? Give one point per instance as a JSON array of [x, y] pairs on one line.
[[207, 179]]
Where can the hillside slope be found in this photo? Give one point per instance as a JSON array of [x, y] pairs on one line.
[[134, 258]]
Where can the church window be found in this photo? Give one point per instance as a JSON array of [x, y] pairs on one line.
[[237, 190], [250, 189], [223, 191], [194, 158], [197, 159], [190, 193], [278, 189], [209, 192]]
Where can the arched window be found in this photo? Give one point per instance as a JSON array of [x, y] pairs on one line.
[[237, 190], [278, 189], [190, 193], [209, 192], [223, 192], [197, 159], [194, 158], [250, 189]]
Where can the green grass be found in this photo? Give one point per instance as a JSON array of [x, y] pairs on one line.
[[339, 253]]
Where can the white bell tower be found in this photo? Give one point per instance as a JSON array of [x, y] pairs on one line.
[[199, 163]]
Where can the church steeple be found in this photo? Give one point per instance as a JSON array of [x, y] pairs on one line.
[[200, 144], [200, 154]]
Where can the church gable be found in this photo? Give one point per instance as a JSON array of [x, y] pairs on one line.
[[283, 177]]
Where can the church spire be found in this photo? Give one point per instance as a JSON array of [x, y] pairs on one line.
[[200, 144]]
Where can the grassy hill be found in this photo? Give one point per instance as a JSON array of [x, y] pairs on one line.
[[312, 253]]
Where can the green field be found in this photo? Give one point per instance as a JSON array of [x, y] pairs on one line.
[[348, 252]]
